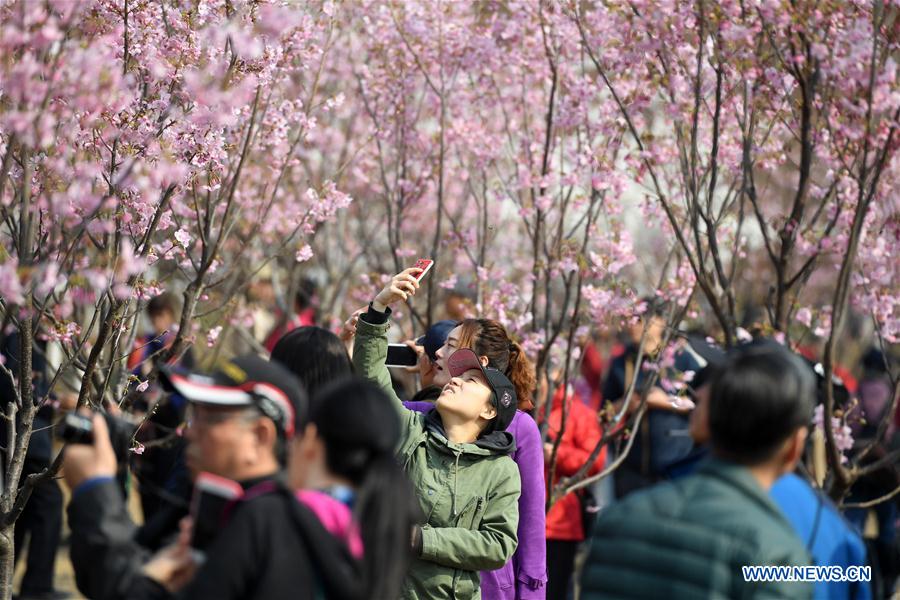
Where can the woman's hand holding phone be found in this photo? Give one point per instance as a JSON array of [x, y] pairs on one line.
[[423, 363], [401, 287]]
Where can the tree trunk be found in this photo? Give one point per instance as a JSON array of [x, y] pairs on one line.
[[7, 564]]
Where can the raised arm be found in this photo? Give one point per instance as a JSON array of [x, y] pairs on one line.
[[370, 350], [371, 343]]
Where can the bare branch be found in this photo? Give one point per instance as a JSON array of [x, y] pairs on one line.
[[871, 503]]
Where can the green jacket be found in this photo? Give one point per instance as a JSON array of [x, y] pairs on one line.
[[689, 539], [469, 493]]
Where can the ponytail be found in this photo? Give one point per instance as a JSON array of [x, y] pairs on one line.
[[521, 373], [386, 509], [360, 429], [487, 337]]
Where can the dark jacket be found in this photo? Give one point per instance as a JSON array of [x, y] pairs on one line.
[[275, 547], [105, 557], [689, 539], [107, 549], [40, 447], [428, 394], [662, 437], [271, 547]]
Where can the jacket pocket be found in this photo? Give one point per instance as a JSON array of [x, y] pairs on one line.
[[471, 514], [466, 585]]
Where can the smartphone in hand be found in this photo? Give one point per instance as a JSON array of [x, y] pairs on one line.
[[401, 355], [425, 264], [212, 494]]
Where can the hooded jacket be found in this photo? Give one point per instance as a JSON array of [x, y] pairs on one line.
[[468, 492], [525, 575]]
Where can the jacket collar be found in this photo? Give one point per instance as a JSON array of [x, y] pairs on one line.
[[739, 477], [496, 442], [248, 484]]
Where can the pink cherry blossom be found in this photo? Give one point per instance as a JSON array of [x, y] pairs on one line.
[[183, 238], [213, 336], [10, 287], [304, 254]]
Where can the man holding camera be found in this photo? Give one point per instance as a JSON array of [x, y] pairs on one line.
[[238, 423]]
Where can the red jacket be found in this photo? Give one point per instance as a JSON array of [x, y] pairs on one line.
[[304, 318], [592, 372], [579, 439]]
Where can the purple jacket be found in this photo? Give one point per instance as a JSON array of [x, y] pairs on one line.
[[524, 577]]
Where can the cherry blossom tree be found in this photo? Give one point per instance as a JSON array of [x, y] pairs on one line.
[[145, 146], [776, 122], [516, 143], [491, 153], [559, 160]]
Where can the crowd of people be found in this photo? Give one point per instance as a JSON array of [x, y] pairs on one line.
[[315, 473]]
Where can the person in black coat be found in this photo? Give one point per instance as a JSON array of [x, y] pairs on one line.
[[273, 543], [239, 421], [41, 520]]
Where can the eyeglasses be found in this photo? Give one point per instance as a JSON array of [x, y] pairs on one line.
[[211, 418]]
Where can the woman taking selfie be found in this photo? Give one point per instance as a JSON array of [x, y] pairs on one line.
[[457, 456], [524, 577]]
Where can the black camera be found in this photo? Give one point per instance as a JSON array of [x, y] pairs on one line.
[[79, 429]]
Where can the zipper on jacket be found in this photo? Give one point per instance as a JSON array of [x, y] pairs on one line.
[[466, 507], [456, 483]]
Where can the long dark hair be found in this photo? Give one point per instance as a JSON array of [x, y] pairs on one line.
[[360, 430], [313, 354]]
